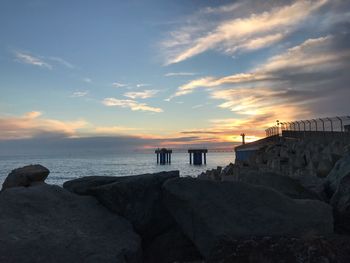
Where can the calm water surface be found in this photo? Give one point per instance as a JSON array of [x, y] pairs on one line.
[[69, 167]]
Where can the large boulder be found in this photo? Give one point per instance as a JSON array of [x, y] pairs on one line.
[[83, 185], [171, 246], [283, 184], [138, 199], [341, 203], [228, 170], [26, 176], [213, 174], [324, 167], [211, 212], [340, 170], [272, 249], [47, 223]]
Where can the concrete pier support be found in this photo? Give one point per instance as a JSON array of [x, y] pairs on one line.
[[197, 156], [163, 156]]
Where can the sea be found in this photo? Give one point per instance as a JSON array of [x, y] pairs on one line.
[[71, 166]]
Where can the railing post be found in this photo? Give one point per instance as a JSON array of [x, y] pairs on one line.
[[341, 123], [331, 123], [315, 124], [322, 124], [309, 122]]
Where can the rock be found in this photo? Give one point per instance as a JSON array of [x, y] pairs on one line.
[[346, 149], [283, 184], [213, 174], [339, 171], [171, 246], [341, 203], [284, 152], [271, 249], [26, 176], [324, 167], [275, 164], [83, 185], [210, 212], [228, 170], [314, 184], [139, 199], [47, 223], [298, 162]]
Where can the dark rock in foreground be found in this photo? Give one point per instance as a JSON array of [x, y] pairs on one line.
[[83, 185], [139, 199], [49, 224], [334, 249], [339, 171], [337, 188], [341, 203], [283, 184], [26, 176], [211, 212], [171, 246]]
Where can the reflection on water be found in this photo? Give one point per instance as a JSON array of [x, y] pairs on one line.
[[65, 168]]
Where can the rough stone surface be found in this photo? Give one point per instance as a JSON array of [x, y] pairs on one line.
[[83, 185], [282, 184], [324, 167], [209, 212], [139, 199], [213, 174], [171, 246], [341, 203], [26, 176], [46, 223], [339, 171], [333, 249]]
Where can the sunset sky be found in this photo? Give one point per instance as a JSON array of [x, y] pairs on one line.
[[170, 73]]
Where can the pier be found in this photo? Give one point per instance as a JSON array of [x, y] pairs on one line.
[[198, 155], [163, 155]]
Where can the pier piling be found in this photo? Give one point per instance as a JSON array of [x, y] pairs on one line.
[[198, 156], [163, 156]]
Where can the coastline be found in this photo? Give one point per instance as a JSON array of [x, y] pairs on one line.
[[251, 211]]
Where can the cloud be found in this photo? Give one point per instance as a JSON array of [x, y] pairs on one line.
[[257, 43], [131, 104], [243, 33], [78, 94], [31, 125], [312, 57], [141, 94], [27, 58], [140, 85], [176, 74], [119, 85], [221, 9], [194, 84], [32, 114], [197, 106], [87, 80], [113, 130], [303, 81], [62, 62], [40, 61]]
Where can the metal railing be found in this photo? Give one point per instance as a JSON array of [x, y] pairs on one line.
[[337, 125]]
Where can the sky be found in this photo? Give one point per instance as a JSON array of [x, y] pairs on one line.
[[168, 73]]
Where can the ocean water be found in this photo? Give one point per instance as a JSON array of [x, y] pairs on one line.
[[67, 167]]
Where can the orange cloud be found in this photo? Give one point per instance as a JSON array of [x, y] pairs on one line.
[[31, 125]]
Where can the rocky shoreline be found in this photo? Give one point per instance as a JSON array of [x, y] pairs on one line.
[[285, 204]]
